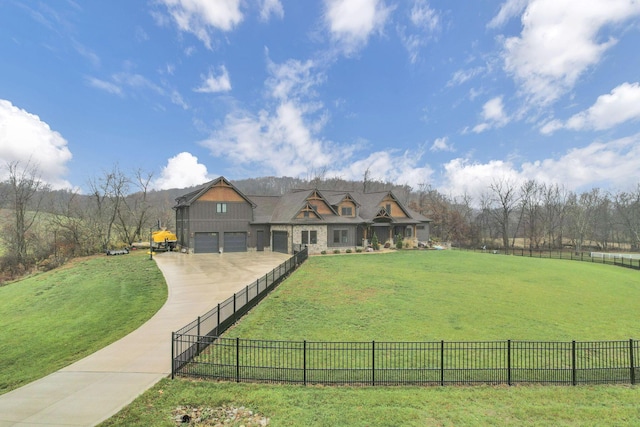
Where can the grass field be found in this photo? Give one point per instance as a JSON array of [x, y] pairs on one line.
[[415, 296], [448, 295], [53, 319]]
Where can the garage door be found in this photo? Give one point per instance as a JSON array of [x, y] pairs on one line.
[[235, 242], [280, 242], [205, 243]]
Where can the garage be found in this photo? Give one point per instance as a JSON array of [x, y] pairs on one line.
[[235, 242], [280, 242], [205, 243]]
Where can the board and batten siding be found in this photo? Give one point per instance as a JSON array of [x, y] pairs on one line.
[[204, 217], [351, 236]]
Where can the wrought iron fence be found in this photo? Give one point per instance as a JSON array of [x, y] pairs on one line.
[[412, 363], [220, 318], [617, 259]]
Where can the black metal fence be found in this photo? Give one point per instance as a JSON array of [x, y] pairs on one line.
[[617, 259], [220, 318], [412, 363]]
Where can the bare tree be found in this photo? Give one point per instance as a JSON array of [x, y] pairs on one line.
[[627, 206], [554, 209], [582, 211], [107, 194], [24, 196], [134, 210], [531, 206], [505, 200]]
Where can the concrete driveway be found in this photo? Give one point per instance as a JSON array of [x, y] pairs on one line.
[[98, 386]]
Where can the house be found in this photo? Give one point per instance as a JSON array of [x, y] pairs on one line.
[[218, 218]]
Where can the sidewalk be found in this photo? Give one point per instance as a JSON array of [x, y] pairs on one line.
[[98, 386]]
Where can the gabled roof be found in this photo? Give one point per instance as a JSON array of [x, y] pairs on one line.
[[285, 209], [189, 198]]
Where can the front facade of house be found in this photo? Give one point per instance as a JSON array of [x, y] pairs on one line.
[[219, 218]]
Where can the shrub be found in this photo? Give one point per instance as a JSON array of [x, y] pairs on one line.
[[323, 252], [348, 251], [398, 242], [358, 250], [336, 251], [375, 244]]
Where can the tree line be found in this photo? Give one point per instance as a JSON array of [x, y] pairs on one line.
[[534, 215], [43, 228]]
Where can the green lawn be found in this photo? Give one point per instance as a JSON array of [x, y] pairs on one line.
[[391, 406], [53, 319], [418, 296], [448, 295]]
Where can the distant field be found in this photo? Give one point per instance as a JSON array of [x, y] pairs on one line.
[[448, 295], [53, 319]]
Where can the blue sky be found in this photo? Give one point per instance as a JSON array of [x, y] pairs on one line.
[[454, 94]]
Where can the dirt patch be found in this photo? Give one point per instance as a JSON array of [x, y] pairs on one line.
[[227, 415]]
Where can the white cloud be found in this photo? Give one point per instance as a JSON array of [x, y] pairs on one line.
[[509, 9], [493, 115], [441, 144], [560, 40], [283, 140], [462, 76], [462, 176], [105, 86], [388, 166], [269, 8], [351, 22], [181, 171], [124, 82], [425, 22], [610, 110], [26, 139], [613, 164], [621, 105], [616, 163], [213, 84], [199, 17]]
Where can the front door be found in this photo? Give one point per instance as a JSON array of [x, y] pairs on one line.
[[260, 240]]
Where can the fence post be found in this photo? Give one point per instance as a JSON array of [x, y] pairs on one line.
[[246, 295], [442, 362], [574, 379], [304, 362], [237, 360], [173, 352], [235, 319], [218, 327], [509, 362], [373, 363], [198, 334], [632, 362]]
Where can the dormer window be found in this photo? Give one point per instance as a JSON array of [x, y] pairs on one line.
[[347, 211]]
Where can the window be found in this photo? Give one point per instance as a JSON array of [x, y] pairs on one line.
[[309, 237], [221, 207], [347, 211], [388, 208], [305, 214], [340, 236]]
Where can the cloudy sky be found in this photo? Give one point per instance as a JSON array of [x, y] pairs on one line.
[[453, 94]]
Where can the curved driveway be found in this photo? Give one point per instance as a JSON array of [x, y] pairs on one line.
[[98, 386]]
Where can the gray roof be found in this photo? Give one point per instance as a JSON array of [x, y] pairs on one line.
[[284, 209]]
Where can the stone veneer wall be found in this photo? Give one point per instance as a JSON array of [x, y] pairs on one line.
[[322, 237]]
